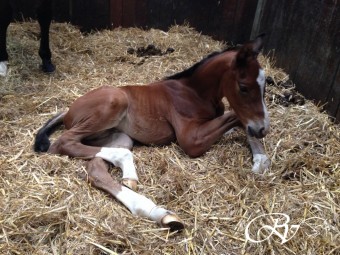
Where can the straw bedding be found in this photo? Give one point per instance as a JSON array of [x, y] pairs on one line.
[[47, 208]]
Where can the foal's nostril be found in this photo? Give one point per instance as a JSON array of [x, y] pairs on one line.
[[251, 131], [262, 132], [257, 133]]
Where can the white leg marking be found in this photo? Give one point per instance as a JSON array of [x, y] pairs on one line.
[[136, 203], [260, 159], [140, 205], [3, 68], [122, 158]]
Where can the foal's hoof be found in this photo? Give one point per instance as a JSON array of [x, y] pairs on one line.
[[3, 68], [131, 184], [173, 222], [47, 66]]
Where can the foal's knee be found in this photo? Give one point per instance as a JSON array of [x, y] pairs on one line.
[[194, 149]]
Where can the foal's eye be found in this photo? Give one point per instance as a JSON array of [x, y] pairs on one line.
[[243, 88]]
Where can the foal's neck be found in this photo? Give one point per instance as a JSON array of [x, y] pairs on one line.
[[207, 80]]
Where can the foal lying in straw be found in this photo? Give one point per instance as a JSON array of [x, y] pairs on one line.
[[187, 107]]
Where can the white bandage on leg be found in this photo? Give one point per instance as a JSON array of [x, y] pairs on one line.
[[140, 205], [3, 68], [261, 163], [122, 158]]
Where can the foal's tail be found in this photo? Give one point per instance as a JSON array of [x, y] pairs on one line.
[[42, 142]]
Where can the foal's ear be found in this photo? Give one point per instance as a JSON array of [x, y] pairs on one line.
[[248, 51], [257, 44]]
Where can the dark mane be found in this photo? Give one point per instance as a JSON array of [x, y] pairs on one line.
[[189, 72]]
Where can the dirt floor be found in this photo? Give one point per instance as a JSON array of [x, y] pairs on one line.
[[47, 208]]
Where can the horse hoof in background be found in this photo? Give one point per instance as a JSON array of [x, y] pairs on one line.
[[44, 16]]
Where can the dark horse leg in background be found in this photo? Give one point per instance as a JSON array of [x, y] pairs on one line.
[[44, 15]]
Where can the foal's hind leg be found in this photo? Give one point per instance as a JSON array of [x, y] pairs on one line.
[[44, 15], [5, 19], [119, 146], [99, 177]]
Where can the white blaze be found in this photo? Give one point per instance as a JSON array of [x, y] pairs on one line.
[[261, 80]]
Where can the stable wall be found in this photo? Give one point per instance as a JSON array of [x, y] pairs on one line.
[[306, 38]]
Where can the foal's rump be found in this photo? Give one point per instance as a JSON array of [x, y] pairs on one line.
[[100, 109], [113, 116], [91, 115]]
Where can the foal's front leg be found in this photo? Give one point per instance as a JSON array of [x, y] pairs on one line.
[[260, 159], [196, 138], [139, 205]]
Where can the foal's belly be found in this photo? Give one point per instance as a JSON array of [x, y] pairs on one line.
[[150, 130]]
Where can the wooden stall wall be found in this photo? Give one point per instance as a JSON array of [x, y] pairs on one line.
[[229, 20], [90, 14], [306, 38]]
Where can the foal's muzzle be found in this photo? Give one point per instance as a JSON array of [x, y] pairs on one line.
[[257, 132]]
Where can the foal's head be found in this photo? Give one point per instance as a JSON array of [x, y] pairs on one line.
[[246, 89]]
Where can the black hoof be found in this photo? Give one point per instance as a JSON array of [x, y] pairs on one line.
[[172, 222], [47, 66]]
